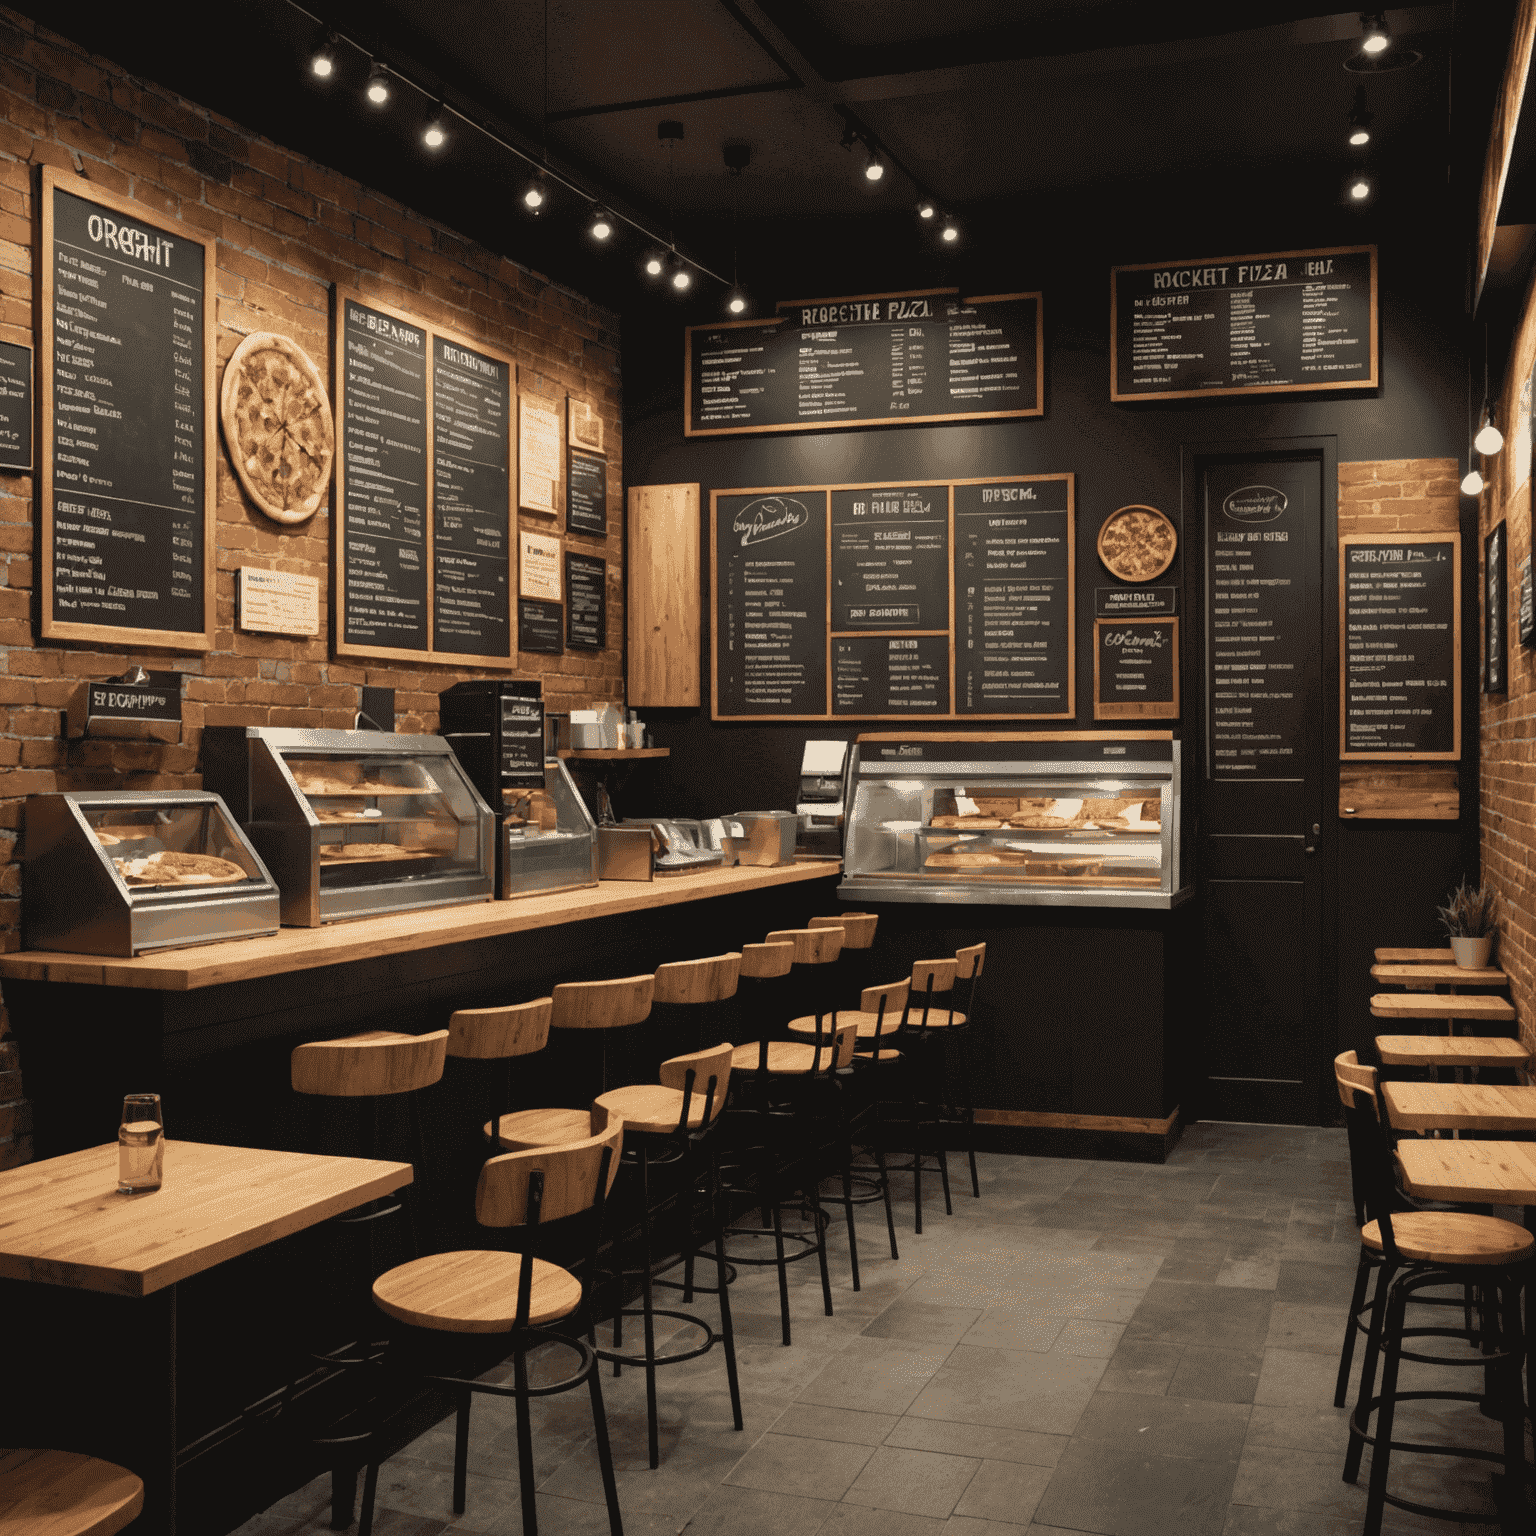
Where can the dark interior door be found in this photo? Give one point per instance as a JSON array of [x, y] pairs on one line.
[[1261, 818]]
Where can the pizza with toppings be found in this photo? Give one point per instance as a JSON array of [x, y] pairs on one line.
[[1137, 543], [277, 423]]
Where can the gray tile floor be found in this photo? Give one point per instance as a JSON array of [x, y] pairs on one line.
[[1091, 1346]]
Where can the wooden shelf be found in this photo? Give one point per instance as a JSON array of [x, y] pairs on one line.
[[614, 754]]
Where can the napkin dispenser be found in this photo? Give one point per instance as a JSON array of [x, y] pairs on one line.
[[768, 837]]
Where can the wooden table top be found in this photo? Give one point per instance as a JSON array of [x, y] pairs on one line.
[[1445, 956], [1459, 1107], [1442, 1005], [1449, 1051], [63, 1222], [1480, 1172], [1441, 975], [369, 938]]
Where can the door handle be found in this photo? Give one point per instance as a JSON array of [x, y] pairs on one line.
[[1317, 831]]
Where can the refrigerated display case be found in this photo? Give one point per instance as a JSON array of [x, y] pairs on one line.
[[547, 838]]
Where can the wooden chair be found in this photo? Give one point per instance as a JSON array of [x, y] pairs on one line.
[[1419, 1251], [61, 1493], [495, 1036], [856, 962], [674, 1120], [813, 976], [514, 1293]]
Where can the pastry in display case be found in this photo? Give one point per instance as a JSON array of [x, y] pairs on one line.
[[354, 823], [124, 872], [1071, 819]]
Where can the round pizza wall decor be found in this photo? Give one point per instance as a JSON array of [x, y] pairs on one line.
[[1137, 543], [277, 425]]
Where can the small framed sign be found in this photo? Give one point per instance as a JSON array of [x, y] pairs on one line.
[[278, 602], [586, 493], [586, 610], [538, 455], [1527, 609], [538, 627], [1136, 669], [538, 567], [15, 406], [1495, 614]]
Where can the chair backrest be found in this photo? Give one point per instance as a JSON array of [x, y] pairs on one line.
[[602, 1004], [576, 1175], [685, 982], [858, 927], [888, 1004], [1370, 1150], [764, 961], [497, 1034], [1352, 1078], [813, 946], [374, 1064], [701, 1075], [935, 977], [969, 961]]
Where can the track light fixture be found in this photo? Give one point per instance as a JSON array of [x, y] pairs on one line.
[[322, 62], [1359, 120], [876, 167], [377, 88], [435, 134], [1374, 37], [601, 225], [950, 233]]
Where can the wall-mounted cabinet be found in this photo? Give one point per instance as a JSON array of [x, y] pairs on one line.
[[664, 596]]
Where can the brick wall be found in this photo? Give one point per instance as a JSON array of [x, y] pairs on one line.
[[287, 231], [1508, 808]]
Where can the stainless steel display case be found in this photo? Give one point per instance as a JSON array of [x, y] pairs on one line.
[[125, 872], [355, 823], [1087, 819], [548, 838]]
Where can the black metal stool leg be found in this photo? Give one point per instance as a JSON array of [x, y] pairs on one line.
[[370, 1490], [604, 1452], [1347, 1354], [461, 1452], [1357, 1423], [649, 1317], [1381, 1453], [525, 1475], [723, 1290]]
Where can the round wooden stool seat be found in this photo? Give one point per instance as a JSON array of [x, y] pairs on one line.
[[473, 1291], [867, 1023], [62, 1493], [877, 1055], [531, 1128], [785, 1058], [653, 1108], [938, 1018], [1454, 1237]]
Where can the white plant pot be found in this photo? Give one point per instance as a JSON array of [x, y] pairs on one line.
[[1472, 954]]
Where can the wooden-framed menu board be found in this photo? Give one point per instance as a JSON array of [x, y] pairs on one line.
[[128, 439], [938, 600], [1238, 325], [1400, 646], [880, 359], [1136, 669], [423, 529]]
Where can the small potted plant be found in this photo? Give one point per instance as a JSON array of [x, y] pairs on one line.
[[1471, 919]]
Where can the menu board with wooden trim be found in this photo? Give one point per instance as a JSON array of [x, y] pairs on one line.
[[944, 599], [586, 602], [1136, 669], [424, 550], [1237, 325], [1400, 645], [586, 493], [15, 406], [128, 422], [881, 359]]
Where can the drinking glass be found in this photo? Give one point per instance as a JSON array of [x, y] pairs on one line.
[[140, 1144]]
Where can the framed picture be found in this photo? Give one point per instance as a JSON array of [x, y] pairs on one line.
[[1495, 614]]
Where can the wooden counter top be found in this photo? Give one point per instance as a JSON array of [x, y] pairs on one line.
[[305, 949]]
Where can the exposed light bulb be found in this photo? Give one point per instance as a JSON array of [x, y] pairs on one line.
[[1360, 190], [682, 279], [875, 169], [1376, 39], [434, 135], [1472, 484], [925, 209], [377, 89], [951, 232], [323, 64], [533, 194], [737, 302], [601, 226], [1489, 440], [654, 264], [1360, 136]]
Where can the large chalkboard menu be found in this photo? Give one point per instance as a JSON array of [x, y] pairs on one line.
[[424, 555], [471, 490], [946, 599], [126, 386], [1400, 641], [1234, 325], [880, 359]]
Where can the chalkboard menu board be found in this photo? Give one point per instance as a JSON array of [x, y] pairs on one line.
[[1234, 325], [538, 626], [836, 601], [1135, 602], [770, 555], [1495, 613], [15, 406], [890, 558], [1014, 598], [1400, 640], [128, 450], [586, 602], [884, 358], [423, 421], [586, 493], [471, 500], [1525, 612], [1136, 669]]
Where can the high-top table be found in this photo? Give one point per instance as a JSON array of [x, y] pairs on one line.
[[62, 1223], [1477, 1007], [1460, 1107], [1426, 974], [1444, 956], [1470, 1172]]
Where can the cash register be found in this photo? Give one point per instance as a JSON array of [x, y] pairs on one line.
[[820, 801]]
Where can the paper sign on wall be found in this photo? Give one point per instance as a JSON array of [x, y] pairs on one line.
[[586, 426], [538, 456], [278, 602], [538, 567]]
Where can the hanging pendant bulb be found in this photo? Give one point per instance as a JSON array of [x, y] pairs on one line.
[[1472, 484], [1489, 439]]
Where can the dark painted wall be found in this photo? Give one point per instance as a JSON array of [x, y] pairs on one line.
[[1387, 877]]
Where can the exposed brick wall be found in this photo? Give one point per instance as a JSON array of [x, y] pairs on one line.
[[1399, 496], [1507, 813], [287, 231]]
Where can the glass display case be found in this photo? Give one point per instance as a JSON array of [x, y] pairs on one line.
[[548, 838], [124, 872], [1047, 819], [354, 823]]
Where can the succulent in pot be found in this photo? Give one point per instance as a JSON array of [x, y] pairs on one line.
[[1471, 920]]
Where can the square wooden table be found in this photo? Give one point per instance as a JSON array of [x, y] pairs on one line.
[[1423, 975], [1444, 956], [62, 1223], [1470, 1172], [1450, 1051], [1479, 1007], [1459, 1107]]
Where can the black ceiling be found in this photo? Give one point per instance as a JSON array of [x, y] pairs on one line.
[[996, 107]]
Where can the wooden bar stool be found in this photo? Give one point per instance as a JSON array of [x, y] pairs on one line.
[[817, 951], [674, 1121], [515, 1294], [495, 1036], [687, 1008], [1419, 1251], [61, 1493], [856, 961]]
